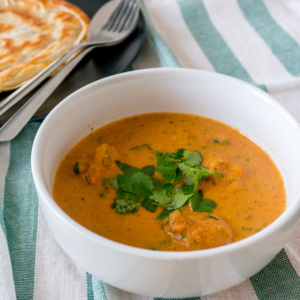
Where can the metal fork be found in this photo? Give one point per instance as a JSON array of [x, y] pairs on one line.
[[120, 24]]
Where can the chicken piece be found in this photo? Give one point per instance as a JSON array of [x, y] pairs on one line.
[[233, 173], [103, 165], [197, 231]]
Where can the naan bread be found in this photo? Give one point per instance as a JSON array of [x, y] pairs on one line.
[[33, 33]]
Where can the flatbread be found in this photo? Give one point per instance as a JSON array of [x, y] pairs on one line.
[[33, 33]]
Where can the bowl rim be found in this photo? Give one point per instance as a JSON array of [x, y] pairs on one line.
[[146, 253]]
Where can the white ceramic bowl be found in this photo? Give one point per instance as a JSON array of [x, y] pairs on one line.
[[219, 97]]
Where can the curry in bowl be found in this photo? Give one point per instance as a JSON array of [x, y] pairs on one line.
[[169, 181]]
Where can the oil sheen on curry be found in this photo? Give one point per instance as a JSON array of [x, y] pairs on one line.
[[168, 181]]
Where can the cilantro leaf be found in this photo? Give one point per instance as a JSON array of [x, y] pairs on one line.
[[129, 196], [189, 179], [196, 200], [114, 182], [178, 174], [192, 159], [124, 206], [157, 185], [168, 187], [136, 183], [149, 170], [126, 168], [200, 205], [211, 217], [207, 205], [160, 197], [178, 200], [141, 147], [192, 169], [120, 194], [148, 204], [167, 164], [126, 202], [165, 213], [200, 193], [184, 168], [168, 170], [201, 173], [170, 155], [176, 155], [187, 189]]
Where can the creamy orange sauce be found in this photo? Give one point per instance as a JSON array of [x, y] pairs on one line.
[[249, 197]]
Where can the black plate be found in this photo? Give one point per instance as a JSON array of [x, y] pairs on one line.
[[98, 64]]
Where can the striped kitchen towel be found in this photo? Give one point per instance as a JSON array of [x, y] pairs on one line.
[[255, 40]]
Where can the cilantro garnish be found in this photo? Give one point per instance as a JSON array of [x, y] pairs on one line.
[[203, 205], [141, 147], [165, 213], [192, 159], [136, 183], [114, 182], [211, 217], [123, 206], [168, 164], [148, 204], [187, 162], [179, 200], [137, 187], [160, 194], [200, 173], [126, 202], [149, 170], [126, 168], [187, 189], [160, 197], [167, 169], [76, 167]]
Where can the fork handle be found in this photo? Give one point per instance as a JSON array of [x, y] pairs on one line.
[[16, 123], [30, 85]]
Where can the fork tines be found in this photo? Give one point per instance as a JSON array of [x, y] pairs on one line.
[[123, 15]]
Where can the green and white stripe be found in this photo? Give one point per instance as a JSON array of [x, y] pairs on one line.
[[171, 27], [4, 162], [162, 47], [280, 42], [20, 212], [286, 16], [210, 40], [247, 46], [243, 291], [255, 40], [277, 279], [54, 268], [7, 287]]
